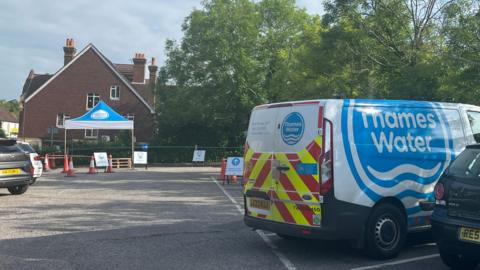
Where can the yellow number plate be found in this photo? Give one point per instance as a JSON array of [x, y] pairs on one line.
[[260, 204], [470, 235], [10, 171]]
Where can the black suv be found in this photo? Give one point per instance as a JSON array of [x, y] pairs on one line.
[[16, 170], [456, 215]]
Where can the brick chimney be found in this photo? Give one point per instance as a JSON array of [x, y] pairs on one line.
[[69, 51], [139, 62], [152, 69]]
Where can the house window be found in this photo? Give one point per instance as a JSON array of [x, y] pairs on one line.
[[115, 92], [92, 100], [91, 133], [61, 117]]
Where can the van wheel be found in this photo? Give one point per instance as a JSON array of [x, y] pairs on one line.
[[17, 190], [457, 261], [385, 232]]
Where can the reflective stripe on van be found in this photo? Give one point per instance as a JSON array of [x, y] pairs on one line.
[[294, 193]]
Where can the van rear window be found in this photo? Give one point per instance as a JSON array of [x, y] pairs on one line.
[[283, 129], [261, 130]]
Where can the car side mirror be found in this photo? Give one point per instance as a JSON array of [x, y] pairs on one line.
[[427, 205]]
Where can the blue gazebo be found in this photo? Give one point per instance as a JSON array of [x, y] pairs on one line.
[[100, 117]]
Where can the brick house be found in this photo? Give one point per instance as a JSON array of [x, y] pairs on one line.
[[85, 79]]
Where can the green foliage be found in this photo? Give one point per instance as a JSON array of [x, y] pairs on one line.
[[2, 133], [236, 54], [12, 106]]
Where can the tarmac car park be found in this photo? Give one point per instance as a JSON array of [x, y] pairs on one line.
[[164, 218]]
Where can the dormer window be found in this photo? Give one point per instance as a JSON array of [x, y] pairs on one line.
[[115, 92]]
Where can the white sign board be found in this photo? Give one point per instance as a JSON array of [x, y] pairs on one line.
[[234, 166], [198, 156], [140, 157], [101, 159]]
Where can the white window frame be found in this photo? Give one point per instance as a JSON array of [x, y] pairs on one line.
[[115, 92], [93, 96], [93, 135], [63, 117]]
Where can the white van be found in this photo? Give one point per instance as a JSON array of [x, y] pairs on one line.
[[351, 169]]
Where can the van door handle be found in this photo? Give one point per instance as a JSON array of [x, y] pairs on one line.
[[283, 168]]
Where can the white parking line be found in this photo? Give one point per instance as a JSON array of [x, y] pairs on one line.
[[376, 266], [285, 261]]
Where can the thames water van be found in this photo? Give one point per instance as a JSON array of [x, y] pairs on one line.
[[351, 169]]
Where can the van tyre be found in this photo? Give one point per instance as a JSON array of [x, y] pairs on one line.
[[457, 261], [17, 190], [385, 232]]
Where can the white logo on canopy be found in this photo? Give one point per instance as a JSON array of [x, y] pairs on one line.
[[100, 115]]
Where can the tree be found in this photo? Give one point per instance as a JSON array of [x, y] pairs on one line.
[[397, 41], [12, 106], [234, 55], [461, 82]]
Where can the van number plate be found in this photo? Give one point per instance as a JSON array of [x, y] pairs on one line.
[[260, 204], [10, 171], [470, 235]]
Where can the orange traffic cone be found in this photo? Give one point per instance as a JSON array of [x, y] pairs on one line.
[[91, 169], [71, 172], [222, 169], [65, 164], [110, 164], [46, 167]]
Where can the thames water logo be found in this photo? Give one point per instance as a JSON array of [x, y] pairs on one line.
[[388, 145], [293, 127], [100, 115]]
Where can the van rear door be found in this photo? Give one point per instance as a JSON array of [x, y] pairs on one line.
[[290, 149]]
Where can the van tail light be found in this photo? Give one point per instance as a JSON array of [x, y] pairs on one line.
[[32, 170], [326, 160], [439, 191], [37, 158]]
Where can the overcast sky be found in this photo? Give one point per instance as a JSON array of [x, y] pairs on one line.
[[32, 32]]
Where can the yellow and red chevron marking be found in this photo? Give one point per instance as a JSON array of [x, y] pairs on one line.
[[285, 192]]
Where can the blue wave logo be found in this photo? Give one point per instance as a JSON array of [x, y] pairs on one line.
[[293, 127], [395, 148]]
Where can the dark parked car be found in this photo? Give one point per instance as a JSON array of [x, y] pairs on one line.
[[456, 215], [16, 169]]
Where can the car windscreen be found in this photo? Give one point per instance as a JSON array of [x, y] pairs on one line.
[[26, 148], [467, 165]]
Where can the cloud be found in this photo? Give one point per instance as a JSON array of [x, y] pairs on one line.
[[32, 32]]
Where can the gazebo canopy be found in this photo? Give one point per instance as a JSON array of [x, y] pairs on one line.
[[100, 117]]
